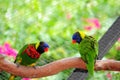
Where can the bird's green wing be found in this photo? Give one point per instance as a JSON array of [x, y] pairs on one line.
[[96, 48], [88, 50], [18, 57], [90, 64], [86, 46]]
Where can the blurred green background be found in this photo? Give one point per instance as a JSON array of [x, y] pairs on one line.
[[54, 21]]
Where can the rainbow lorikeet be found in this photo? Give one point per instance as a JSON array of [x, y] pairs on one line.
[[88, 48], [29, 54]]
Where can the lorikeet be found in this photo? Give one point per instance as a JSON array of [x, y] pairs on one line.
[[88, 48], [29, 54]]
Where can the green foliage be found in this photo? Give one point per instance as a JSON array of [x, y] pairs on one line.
[[4, 75], [117, 56], [116, 76], [54, 21]]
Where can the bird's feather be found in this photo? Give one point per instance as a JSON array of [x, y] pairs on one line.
[[88, 49]]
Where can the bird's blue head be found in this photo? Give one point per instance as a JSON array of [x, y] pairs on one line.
[[42, 47], [77, 37]]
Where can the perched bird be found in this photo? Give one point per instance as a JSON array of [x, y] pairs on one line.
[[88, 48], [29, 54]]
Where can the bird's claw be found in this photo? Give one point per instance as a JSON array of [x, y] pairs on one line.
[[18, 65], [34, 67]]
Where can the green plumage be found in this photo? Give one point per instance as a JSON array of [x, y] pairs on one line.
[[24, 59], [29, 54], [88, 49]]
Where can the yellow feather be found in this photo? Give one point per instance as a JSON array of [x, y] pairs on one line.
[[20, 60], [37, 45], [33, 64], [82, 34], [12, 77]]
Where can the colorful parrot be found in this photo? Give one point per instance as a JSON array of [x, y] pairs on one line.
[[88, 48], [29, 54]]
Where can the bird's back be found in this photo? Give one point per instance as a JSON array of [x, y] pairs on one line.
[[89, 49], [24, 58], [88, 46]]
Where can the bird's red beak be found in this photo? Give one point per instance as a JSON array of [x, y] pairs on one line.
[[46, 49], [73, 41]]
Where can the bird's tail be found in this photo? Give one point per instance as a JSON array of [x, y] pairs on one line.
[[90, 64], [90, 67], [12, 77]]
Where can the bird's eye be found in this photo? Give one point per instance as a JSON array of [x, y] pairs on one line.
[[44, 47]]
